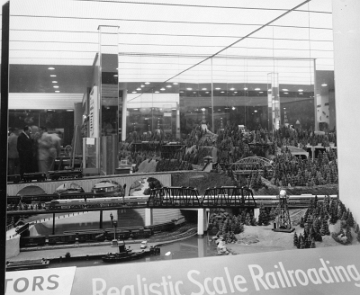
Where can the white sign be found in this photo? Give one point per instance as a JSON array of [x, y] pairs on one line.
[[51, 281]]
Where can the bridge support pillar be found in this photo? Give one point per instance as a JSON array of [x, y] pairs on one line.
[[256, 213], [148, 216], [201, 222]]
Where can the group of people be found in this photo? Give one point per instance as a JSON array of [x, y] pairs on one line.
[[32, 150]]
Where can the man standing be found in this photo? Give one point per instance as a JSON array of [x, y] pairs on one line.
[[25, 150], [44, 145], [13, 155]]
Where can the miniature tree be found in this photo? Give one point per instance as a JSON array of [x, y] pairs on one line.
[[301, 242], [350, 220], [296, 240]]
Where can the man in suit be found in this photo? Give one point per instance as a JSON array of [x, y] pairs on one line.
[[25, 150]]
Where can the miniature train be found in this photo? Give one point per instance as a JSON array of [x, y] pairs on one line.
[[98, 235]]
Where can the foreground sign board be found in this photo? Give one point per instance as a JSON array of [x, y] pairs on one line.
[[330, 270]]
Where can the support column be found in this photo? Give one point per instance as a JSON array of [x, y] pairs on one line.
[[346, 23], [101, 219], [148, 216], [201, 221], [53, 227], [256, 213]]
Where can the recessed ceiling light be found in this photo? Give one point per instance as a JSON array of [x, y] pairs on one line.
[[162, 89], [157, 92], [235, 92], [69, 110], [115, 75], [233, 108], [57, 91], [257, 89], [142, 86], [52, 76], [168, 86], [222, 91], [245, 88], [255, 111], [284, 108], [134, 92], [207, 92], [204, 89], [261, 92], [138, 89], [55, 86], [188, 88], [54, 82], [51, 68], [217, 88], [286, 93], [147, 83], [300, 90], [284, 89], [232, 88], [175, 83], [324, 85]]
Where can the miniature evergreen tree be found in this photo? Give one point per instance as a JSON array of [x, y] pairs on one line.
[[350, 220], [296, 240], [301, 242]]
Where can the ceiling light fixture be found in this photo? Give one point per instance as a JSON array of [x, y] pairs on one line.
[[147, 83], [51, 68], [324, 85], [204, 89], [134, 92], [55, 82], [232, 88], [284, 89], [217, 88], [53, 76], [189, 89], [157, 92], [245, 88], [257, 89], [162, 89], [300, 90], [55, 86], [168, 86], [175, 83], [57, 91]]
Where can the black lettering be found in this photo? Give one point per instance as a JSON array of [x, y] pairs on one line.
[[25, 287], [56, 284], [37, 284]]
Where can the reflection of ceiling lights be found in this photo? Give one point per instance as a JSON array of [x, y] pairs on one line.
[[194, 91], [207, 92], [115, 75], [255, 111], [204, 89], [222, 91], [53, 76], [51, 68], [261, 92], [233, 108], [138, 89], [217, 88], [147, 83], [232, 88], [301, 93], [142, 86], [168, 86], [257, 89], [55, 86], [286, 93], [57, 91], [181, 91], [134, 92], [300, 90], [162, 89], [245, 88], [284, 89], [324, 85], [55, 82], [157, 92], [175, 83], [235, 92], [69, 110], [188, 88]]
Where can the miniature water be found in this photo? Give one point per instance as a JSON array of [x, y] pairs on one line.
[[192, 247]]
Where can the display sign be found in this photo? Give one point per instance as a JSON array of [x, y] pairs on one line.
[[52, 281], [331, 270]]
